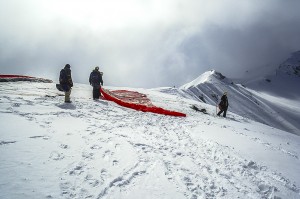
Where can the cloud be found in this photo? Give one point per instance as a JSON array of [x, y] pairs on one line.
[[146, 43]]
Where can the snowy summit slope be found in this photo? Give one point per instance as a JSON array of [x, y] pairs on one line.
[[272, 101], [97, 149], [284, 82]]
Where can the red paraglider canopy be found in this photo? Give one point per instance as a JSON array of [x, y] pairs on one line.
[[137, 101], [15, 78]]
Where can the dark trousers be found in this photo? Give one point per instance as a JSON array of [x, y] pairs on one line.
[[96, 93], [224, 111]]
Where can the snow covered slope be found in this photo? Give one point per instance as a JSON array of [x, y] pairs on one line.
[[284, 82], [97, 149], [292, 65], [277, 105]]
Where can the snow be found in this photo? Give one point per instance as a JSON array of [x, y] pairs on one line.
[[274, 102], [291, 66], [208, 76], [97, 149]]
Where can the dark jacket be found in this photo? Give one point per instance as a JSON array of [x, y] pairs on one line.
[[96, 79], [65, 79], [223, 105]]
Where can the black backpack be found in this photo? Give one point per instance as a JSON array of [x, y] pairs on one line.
[[95, 79], [63, 77]]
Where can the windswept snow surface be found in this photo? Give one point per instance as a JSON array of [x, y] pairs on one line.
[[97, 149]]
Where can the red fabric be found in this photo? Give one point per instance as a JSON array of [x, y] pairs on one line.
[[14, 76], [137, 101]]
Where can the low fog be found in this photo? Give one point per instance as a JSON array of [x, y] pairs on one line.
[[147, 43]]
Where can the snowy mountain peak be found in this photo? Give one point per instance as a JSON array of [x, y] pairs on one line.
[[258, 101], [291, 66], [209, 76]]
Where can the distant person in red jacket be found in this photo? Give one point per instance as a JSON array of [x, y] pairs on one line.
[[223, 105]]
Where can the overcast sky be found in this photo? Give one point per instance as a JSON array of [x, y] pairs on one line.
[[146, 43]]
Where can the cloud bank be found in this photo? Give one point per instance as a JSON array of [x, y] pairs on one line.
[[146, 43]]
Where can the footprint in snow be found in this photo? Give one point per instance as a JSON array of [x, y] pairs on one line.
[[104, 173], [107, 154], [117, 146], [95, 147], [56, 156], [115, 163], [251, 165], [267, 190], [91, 180], [89, 156], [16, 105], [77, 170], [64, 146]]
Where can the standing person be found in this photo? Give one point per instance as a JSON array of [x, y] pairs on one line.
[[65, 80], [223, 105], [96, 81]]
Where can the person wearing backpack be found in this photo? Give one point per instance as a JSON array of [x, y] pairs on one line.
[[223, 105], [96, 82], [66, 82]]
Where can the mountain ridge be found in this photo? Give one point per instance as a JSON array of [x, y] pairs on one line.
[[272, 100]]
